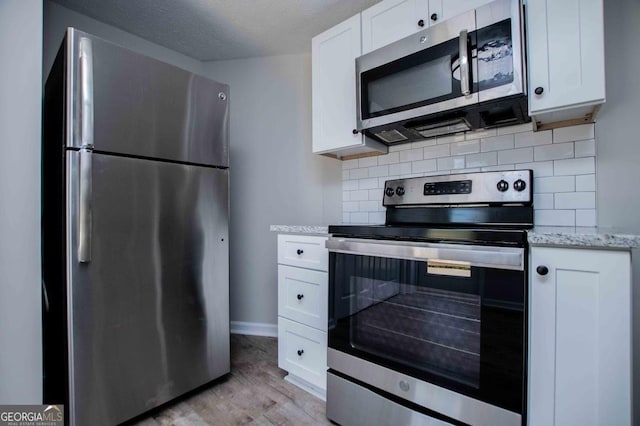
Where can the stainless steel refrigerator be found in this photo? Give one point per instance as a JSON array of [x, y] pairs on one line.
[[135, 231]]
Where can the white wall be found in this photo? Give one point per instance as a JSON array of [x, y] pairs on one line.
[[275, 179], [58, 18], [619, 145], [20, 106]]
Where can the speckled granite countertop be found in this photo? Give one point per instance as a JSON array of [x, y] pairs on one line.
[[300, 229], [551, 236], [583, 237]]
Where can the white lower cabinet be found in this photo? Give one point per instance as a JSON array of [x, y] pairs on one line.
[[302, 311], [579, 337]]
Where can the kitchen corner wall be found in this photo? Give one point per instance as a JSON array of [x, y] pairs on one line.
[[563, 162]]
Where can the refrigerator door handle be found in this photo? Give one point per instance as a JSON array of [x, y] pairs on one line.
[[84, 216], [86, 147]]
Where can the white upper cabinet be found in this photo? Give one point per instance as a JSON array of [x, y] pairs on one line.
[[333, 55], [392, 20], [566, 58]]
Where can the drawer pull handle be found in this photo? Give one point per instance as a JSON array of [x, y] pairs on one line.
[[299, 251], [542, 270], [300, 296], [300, 352]]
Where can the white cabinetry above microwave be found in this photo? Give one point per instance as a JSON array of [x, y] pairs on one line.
[[392, 20], [333, 55], [566, 60]]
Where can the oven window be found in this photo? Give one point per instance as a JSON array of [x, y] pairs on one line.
[[461, 331]]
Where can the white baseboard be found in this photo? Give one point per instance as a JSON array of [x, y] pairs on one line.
[[254, 328]]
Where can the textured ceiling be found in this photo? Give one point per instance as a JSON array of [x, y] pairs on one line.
[[211, 30]]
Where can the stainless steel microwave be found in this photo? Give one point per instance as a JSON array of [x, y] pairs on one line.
[[465, 73]]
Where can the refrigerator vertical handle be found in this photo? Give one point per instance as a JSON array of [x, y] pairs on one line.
[[86, 93], [86, 147], [84, 215]]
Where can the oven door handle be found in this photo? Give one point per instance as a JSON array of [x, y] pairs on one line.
[[482, 256]]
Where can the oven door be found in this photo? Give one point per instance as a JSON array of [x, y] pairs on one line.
[[450, 316]]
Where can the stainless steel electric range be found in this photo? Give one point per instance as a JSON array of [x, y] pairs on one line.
[[427, 313]]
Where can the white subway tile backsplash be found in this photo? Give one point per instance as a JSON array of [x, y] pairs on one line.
[[496, 143], [349, 185], [350, 164], [482, 160], [585, 148], [586, 183], [586, 217], [424, 166], [500, 168], [520, 155], [543, 201], [350, 206], [554, 184], [437, 151], [370, 183], [575, 200], [378, 171], [390, 158], [577, 166], [573, 133], [376, 218], [540, 168], [369, 206], [451, 163], [360, 217], [533, 138], [411, 155], [480, 134], [400, 169], [553, 152], [562, 160], [465, 147], [554, 217], [422, 144], [359, 195], [358, 173], [375, 195]]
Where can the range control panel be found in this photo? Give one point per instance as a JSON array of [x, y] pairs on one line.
[[507, 187]]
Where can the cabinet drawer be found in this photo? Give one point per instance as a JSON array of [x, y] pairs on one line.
[[302, 351], [303, 296], [303, 251]]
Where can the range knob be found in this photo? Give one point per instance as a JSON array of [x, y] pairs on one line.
[[400, 191], [389, 192], [502, 185], [519, 185]]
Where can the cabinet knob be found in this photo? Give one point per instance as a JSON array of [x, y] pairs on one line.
[[538, 90], [542, 270], [354, 131], [299, 251], [300, 296], [300, 352], [421, 23], [434, 17]]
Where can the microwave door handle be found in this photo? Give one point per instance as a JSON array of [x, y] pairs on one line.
[[464, 63]]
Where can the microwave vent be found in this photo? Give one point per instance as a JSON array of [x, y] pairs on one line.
[[391, 136], [443, 127]]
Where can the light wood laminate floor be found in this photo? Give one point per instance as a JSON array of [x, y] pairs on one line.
[[254, 393]]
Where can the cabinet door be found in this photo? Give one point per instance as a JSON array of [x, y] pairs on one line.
[[392, 20], [566, 54], [442, 10], [334, 86], [580, 341]]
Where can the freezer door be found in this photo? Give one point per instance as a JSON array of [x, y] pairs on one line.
[[148, 314], [141, 106]]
